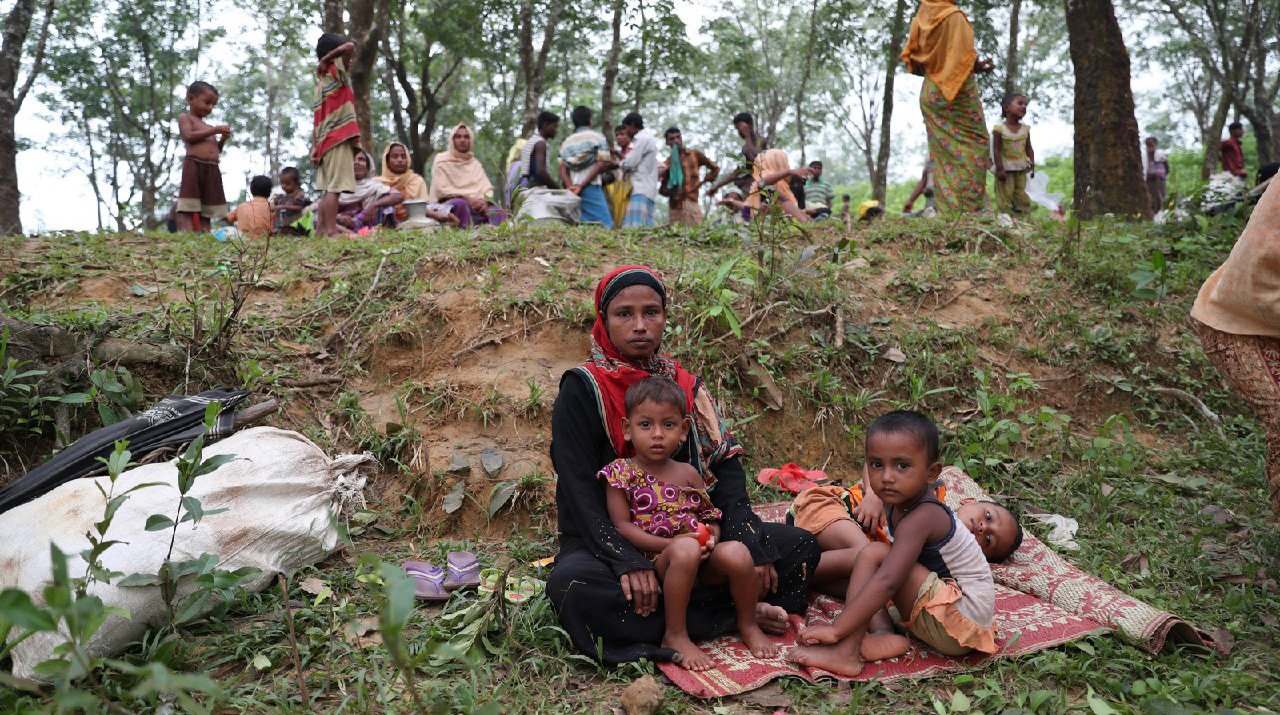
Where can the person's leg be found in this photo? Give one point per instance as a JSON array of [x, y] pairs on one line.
[[593, 206], [731, 561], [691, 212], [678, 569], [1250, 365], [188, 205], [1161, 195], [494, 215], [1021, 201], [1153, 196], [798, 555], [1004, 198], [327, 215], [460, 208]]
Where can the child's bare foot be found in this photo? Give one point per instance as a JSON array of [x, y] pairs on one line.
[[881, 646], [835, 659], [771, 619], [818, 634], [757, 641], [691, 656]]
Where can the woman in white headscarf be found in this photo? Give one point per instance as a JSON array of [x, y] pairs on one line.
[[459, 181]]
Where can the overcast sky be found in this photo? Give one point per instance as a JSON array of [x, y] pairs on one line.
[[57, 196]]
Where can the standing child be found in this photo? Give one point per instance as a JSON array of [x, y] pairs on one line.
[[289, 204], [661, 506], [1014, 157], [200, 193], [336, 136], [934, 571], [254, 217], [1155, 168]]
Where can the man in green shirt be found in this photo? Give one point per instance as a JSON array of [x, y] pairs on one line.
[[818, 194]]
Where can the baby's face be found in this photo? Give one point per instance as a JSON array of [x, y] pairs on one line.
[[992, 525], [288, 184]]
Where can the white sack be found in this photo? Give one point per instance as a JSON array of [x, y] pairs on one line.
[[282, 494], [542, 204]]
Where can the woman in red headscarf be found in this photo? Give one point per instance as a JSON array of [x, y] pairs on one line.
[[605, 591]]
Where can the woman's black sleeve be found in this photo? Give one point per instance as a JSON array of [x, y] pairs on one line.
[[576, 452], [740, 523]]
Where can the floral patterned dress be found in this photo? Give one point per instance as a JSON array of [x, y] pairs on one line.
[[958, 145], [659, 508]]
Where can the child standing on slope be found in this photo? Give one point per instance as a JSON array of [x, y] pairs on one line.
[[1014, 157], [662, 507], [934, 571], [336, 136], [200, 193]]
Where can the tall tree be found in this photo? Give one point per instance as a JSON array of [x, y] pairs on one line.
[[1011, 58], [893, 48], [611, 71], [533, 60], [1108, 165], [12, 94]]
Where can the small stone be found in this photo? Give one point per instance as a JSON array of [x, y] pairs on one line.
[[460, 465], [895, 355], [643, 697], [491, 460]]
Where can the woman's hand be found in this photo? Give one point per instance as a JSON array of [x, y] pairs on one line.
[[983, 66], [766, 581], [478, 205], [869, 514], [642, 590]]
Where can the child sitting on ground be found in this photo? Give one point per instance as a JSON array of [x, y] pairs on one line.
[[1014, 157], [253, 218], [289, 204], [934, 571], [200, 192], [661, 506]]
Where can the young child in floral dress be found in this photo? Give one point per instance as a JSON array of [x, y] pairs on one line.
[[662, 507]]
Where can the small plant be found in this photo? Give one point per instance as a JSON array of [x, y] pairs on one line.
[[1151, 278]]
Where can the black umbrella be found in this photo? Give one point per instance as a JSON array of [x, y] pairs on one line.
[[175, 420]]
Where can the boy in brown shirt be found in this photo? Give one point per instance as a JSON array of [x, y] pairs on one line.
[[254, 218], [200, 193]]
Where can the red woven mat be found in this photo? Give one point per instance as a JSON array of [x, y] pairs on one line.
[[1041, 601]]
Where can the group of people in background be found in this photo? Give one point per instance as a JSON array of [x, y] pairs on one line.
[[618, 184]]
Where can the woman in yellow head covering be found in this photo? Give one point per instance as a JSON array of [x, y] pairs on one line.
[[397, 174], [773, 173], [940, 47], [458, 180]]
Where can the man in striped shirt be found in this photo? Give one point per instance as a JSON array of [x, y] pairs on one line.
[[818, 194], [336, 136]]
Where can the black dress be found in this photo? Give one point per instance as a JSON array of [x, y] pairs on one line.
[[584, 586]]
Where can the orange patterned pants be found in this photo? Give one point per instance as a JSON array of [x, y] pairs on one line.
[[1250, 365]]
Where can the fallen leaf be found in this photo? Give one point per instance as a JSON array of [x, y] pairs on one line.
[[1136, 563], [1224, 640], [759, 377], [1107, 489], [363, 626], [142, 291], [1220, 515], [1235, 578], [770, 696], [895, 355], [312, 586], [453, 500], [261, 662]]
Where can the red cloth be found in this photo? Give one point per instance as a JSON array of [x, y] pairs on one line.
[[1232, 156], [613, 373]]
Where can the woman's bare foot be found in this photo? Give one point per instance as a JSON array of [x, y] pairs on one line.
[[772, 619], [691, 656], [832, 658], [881, 646], [757, 641]]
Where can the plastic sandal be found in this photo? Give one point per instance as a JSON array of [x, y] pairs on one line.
[[792, 477], [463, 570], [428, 580], [489, 580]]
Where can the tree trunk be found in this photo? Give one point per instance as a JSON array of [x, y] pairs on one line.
[[368, 24], [637, 86], [611, 74], [897, 35], [1011, 60], [333, 20], [533, 67], [1211, 135], [1108, 164], [803, 87], [12, 93]]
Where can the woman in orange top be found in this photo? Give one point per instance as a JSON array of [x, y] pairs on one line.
[[1237, 316], [940, 47]]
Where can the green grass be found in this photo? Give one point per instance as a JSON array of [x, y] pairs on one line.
[[1047, 399]]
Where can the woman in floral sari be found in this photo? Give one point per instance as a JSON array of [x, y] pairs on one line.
[[940, 47]]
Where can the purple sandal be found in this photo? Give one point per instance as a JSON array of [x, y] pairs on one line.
[[428, 580], [464, 570]]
